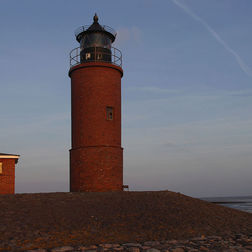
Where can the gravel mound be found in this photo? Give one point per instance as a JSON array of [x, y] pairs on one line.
[[47, 220]]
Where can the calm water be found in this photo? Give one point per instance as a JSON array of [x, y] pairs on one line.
[[241, 203]]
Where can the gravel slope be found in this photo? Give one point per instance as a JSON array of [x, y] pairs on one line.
[[57, 219]]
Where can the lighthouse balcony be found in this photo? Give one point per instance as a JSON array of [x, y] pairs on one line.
[[95, 54]]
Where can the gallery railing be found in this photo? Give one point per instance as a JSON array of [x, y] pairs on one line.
[[96, 55]]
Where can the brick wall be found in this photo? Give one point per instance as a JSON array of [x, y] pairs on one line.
[[96, 154], [96, 169], [7, 177]]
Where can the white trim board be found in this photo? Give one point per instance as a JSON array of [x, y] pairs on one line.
[[10, 156]]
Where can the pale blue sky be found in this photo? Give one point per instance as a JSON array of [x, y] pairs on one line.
[[186, 98]]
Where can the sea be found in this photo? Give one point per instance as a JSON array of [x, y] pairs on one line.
[[243, 203]]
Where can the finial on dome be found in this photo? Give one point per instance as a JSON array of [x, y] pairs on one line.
[[95, 18]]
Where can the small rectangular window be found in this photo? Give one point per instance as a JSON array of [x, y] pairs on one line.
[[1, 168], [88, 56], [110, 113], [99, 56]]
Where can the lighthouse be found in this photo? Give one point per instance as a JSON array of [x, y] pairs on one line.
[[96, 155]]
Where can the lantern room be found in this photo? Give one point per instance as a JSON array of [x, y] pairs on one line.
[[95, 42]]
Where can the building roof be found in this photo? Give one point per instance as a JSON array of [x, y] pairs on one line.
[[5, 155], [95, 27]]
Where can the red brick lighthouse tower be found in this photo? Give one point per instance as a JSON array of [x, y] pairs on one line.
[[96, 157]]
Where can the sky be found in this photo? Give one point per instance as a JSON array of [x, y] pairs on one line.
[[186, 92]]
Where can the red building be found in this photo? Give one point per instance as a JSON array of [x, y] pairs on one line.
[[96, 157], [7, 173]]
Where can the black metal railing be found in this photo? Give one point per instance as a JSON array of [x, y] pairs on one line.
[[96, 54]]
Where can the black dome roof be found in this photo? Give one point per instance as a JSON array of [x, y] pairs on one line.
[[95, 27]]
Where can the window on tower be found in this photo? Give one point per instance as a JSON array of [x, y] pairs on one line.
[[110, 113], [88, 56], [99, 56], [1, 168]]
